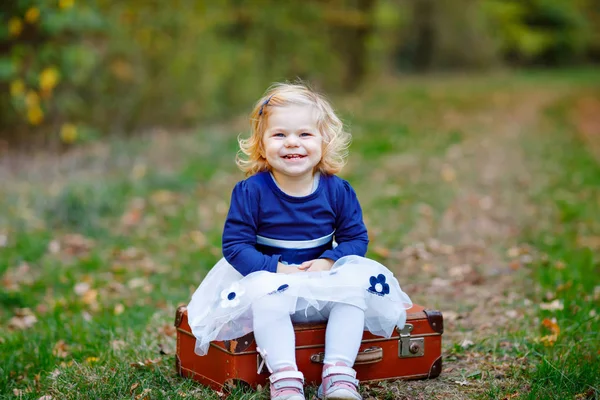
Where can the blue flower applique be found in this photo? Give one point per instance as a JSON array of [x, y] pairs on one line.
[[231, 297], [378, 285], [280, 289]]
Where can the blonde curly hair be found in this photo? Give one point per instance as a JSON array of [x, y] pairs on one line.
[[250, 157]]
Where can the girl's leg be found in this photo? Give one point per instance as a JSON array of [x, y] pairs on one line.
[[342, 341], [344, 333], [274, 334]]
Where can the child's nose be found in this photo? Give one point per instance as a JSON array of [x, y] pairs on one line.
[[291, 140]]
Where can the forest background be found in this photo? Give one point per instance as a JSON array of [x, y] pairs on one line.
[[73, 71]]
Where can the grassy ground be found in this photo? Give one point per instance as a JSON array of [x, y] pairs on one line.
[[481, 193]]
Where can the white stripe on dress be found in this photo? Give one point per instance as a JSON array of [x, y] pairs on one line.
[[294, 244]]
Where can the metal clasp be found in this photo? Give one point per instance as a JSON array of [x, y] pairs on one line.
[[409, 346]]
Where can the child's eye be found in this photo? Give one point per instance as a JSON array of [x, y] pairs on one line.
[[279, 134], [306, 134]]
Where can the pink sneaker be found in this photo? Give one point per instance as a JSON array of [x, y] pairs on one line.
[[339, 383], [287, 384]]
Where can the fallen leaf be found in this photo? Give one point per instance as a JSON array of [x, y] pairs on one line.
[[439, 282], [3, 240], [551, 324], [199, 239], [549, 340], [462, 383], [144, 395], [553, 306], [512, 314], [164, 350], [76, 244], [513, 252], [117, 345], [15, 277], [23, 319], [46, 397], [466, 344], [119, 308], [81, 288], [146, 363], [90, 297], [163, 197], [60, 349], [133, 387], [448, 173], [564, 286], [137, 283], [54, 247], [382, 251]]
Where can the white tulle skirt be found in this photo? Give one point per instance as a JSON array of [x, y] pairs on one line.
[[222, 307]]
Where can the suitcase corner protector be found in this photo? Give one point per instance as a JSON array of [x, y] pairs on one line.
[[436, 320], [436, 368], [179, 315]]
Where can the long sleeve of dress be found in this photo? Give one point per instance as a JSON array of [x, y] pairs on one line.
[[239, 234], [350, 233]]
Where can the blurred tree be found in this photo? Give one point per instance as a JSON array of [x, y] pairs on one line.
[[75, 70], [351, 24], [547, 32]]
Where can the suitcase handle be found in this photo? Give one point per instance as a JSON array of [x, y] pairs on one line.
[[371, 355]]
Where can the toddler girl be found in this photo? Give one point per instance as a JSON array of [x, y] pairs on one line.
[[294, 243]]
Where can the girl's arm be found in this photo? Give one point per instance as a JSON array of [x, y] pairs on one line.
[[350, 232], [239, 234]]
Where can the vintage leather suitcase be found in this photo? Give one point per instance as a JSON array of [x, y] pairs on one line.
[[411, 353]]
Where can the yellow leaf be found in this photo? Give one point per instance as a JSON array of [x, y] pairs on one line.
[[32, 99], [15, 26], [35, 115], [49, 78], [32, 15], [552, 325], [549, 340], [65, 4], [17, 88], [68, 133]]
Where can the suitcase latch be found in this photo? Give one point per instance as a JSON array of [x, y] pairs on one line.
[[409, 346]]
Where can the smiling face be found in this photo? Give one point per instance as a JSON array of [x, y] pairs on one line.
[[292, 143]]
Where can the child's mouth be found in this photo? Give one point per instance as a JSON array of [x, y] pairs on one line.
[[293, 156]]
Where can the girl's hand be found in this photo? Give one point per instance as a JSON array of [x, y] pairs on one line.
[[287, 269], [320, 264]]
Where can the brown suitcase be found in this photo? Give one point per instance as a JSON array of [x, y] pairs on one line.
[[411, 353]]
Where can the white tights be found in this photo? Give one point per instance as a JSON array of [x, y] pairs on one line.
[[275, 333]]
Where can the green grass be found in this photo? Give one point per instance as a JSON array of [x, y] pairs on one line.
[[572, 211], [150, 212]]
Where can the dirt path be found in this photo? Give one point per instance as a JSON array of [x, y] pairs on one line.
[[466, 271]]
